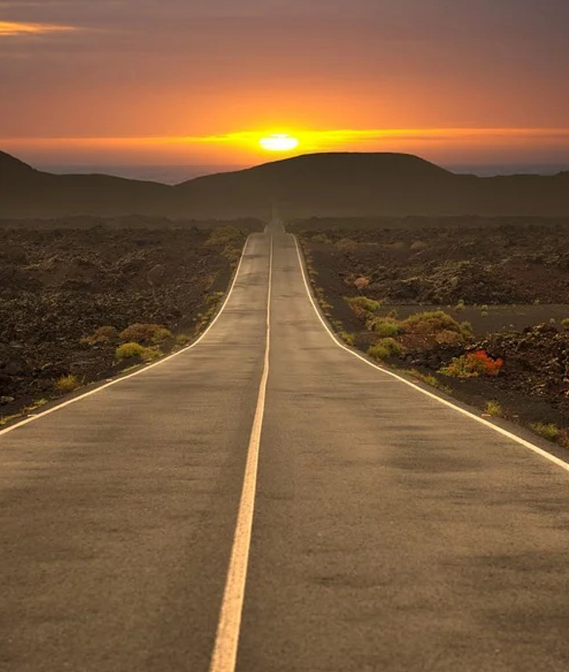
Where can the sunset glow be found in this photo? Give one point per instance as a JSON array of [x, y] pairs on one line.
[[218, 81], [279, 142], [443, 145], [11, 28]]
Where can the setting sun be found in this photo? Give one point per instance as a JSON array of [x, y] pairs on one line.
[[279, 142]]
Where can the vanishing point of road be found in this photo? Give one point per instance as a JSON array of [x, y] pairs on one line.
[[267, 501]]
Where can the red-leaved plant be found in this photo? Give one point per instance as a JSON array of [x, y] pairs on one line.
[[473, 364]]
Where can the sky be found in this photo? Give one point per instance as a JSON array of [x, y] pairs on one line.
[[202, 81]]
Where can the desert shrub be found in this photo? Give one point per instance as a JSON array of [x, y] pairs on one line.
[[140, 333], [346, 245], [473, 364], [182, 339], [466, 330], [565, 323], [161, 335], [347, 338], [548, 431], [385, 326], [430, 323], [361, 283], [378, 351], [459, 306], [493, 408], [151, 354], [128, 350], [386, 347], [448, 337], [361, 304], [67, 383], [102, 335]]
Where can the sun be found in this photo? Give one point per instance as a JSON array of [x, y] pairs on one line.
[[279, 142]]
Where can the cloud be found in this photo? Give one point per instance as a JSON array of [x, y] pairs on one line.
[[16, 28]]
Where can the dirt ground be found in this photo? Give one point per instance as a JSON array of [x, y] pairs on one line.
[[59, 284], [509, 279]]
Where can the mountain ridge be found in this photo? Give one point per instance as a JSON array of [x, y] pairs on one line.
[[320, 184]]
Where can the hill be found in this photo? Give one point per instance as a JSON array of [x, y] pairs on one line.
[[335, 184]]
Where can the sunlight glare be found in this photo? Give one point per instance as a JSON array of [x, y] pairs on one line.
[[279, 142]]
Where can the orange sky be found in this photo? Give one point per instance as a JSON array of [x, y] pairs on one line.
[[172, 81]]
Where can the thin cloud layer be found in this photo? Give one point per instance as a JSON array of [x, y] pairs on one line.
[[173, 68], [15, 28]]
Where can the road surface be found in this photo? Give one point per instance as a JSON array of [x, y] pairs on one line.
[[390, 531]]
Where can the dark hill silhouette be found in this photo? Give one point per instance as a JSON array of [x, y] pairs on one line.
[[335, 184]]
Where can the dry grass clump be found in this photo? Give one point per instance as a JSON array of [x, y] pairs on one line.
[[142, 333], [102, 336], [67, 383], [129, 350], [347, 338], [362, 305], [182, 339], [493, 408], [548, 431]]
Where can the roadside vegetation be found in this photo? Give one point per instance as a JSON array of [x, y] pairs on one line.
[[86, 301], [476, 308]]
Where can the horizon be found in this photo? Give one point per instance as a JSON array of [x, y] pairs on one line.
[[120, 83], [176, 173]]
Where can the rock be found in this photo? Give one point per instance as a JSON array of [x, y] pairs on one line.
[[16, 367]]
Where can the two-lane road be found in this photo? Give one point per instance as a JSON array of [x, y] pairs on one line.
[[390, 531]]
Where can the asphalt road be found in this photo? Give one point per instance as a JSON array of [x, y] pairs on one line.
[[390, 532]]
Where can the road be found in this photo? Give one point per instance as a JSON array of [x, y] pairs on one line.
[[390, 531]]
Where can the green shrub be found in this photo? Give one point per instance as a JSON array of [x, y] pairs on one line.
[[548, 431], [378, 352], [386, 347], [430, 323], [347, 338], [363, 303], [161, 335], [102, 335], [385, 326], [466, 330], [129, 350], [151, 354], [67, 383], [493, 408], [140, 333], [182, 339]]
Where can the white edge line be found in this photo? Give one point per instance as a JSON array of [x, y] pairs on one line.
[[224, 656], [536, 449], [63, 404]]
